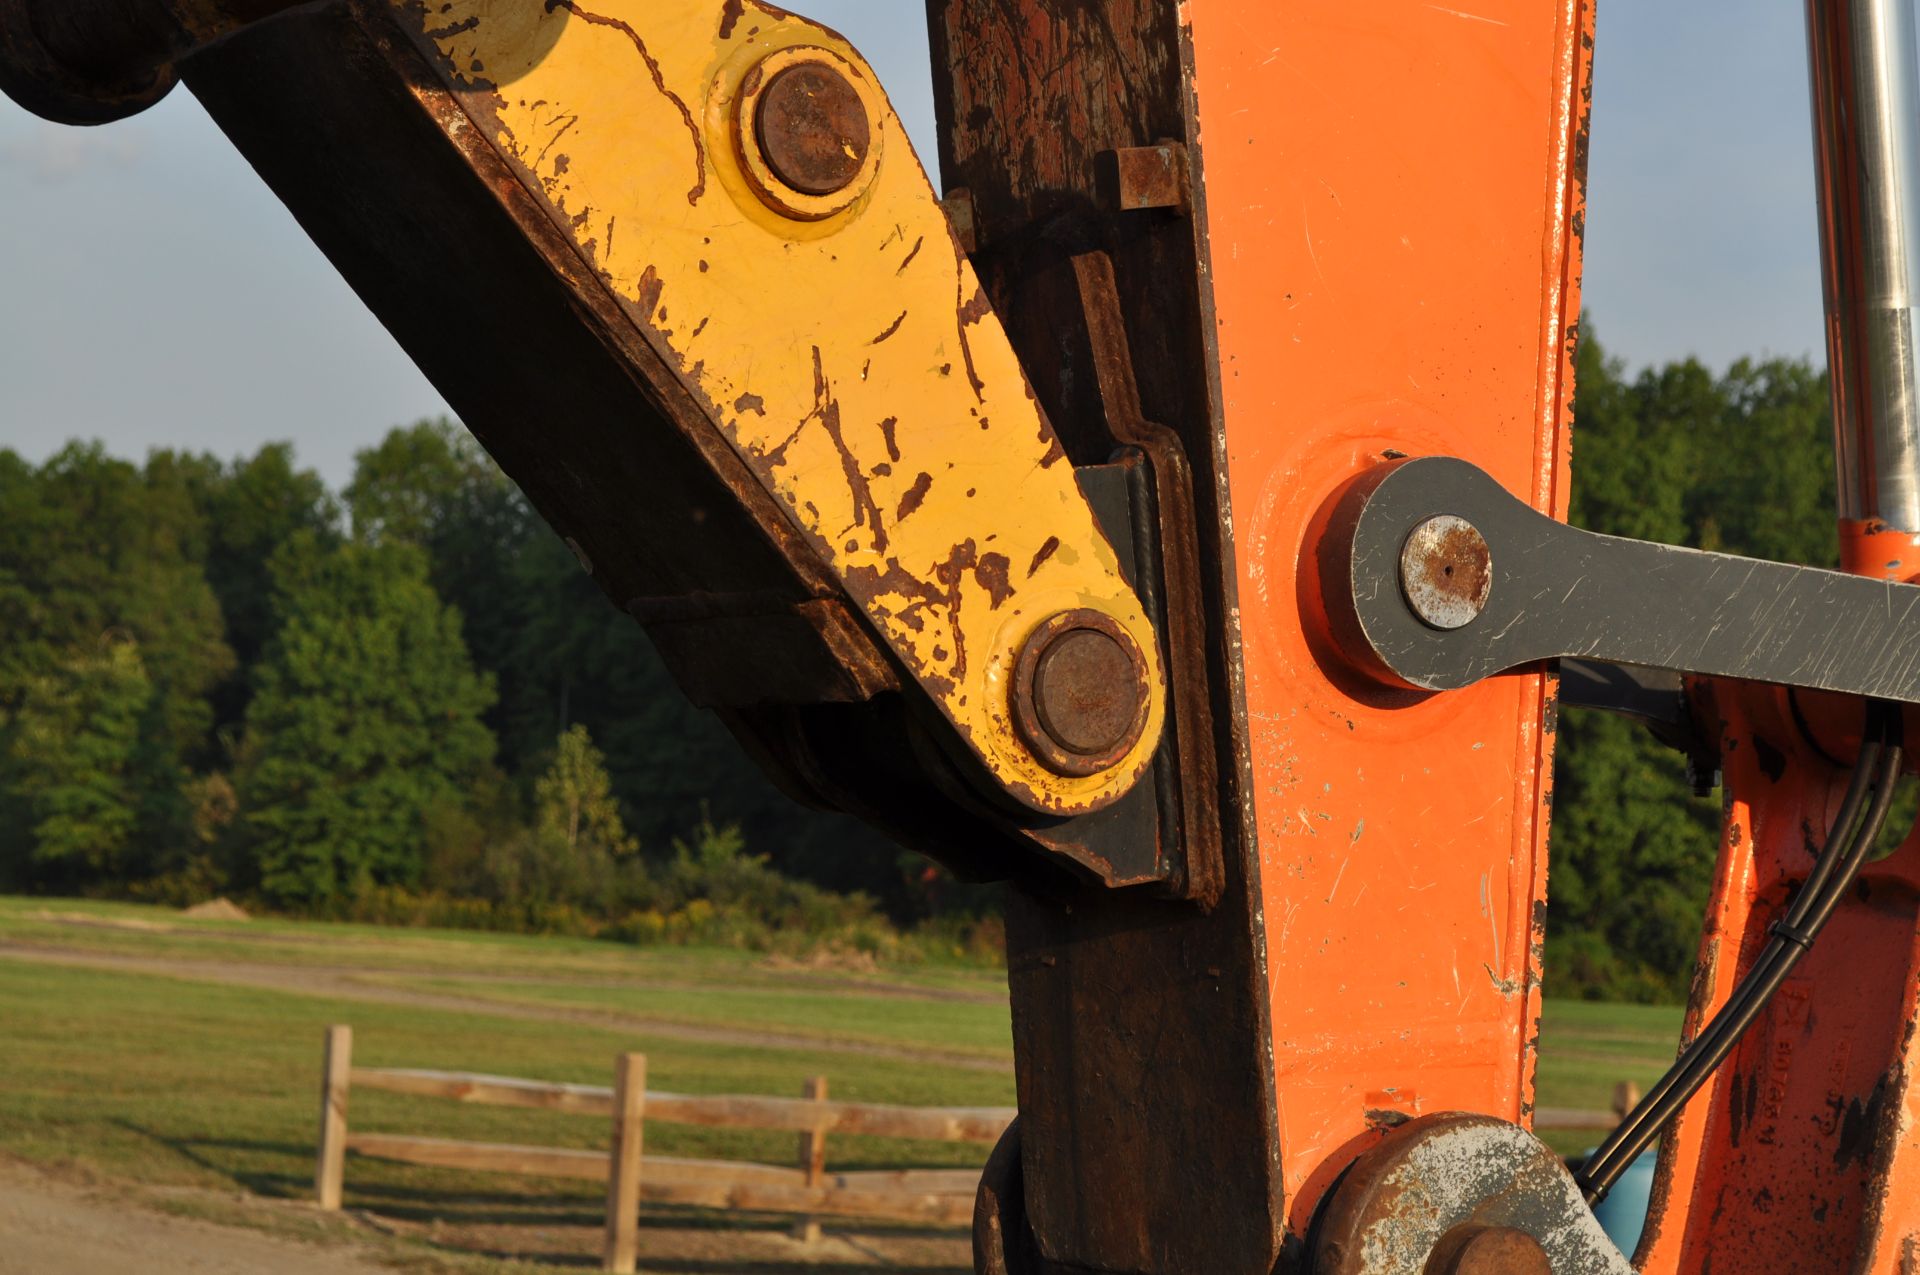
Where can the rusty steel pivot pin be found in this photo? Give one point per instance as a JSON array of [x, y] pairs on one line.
[[812, 127], [809, 129], [1080, 693], [1446, 572], [1492, 1250]]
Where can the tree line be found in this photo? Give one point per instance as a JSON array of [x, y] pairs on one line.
[[405, 701], [400, 701]]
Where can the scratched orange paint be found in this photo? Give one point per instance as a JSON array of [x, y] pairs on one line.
[[1391, 194]]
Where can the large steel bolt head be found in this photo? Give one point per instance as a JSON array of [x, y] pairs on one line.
[[1080, 694], [812, 127], [1446, 572], [809, 132]]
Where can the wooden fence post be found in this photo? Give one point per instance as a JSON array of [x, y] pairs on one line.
[[813, 1156], [623, 1177], [335, 1077], [1626, 1096]]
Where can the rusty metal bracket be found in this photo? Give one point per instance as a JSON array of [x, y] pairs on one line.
[[1176, 559], [730, 200], [1439, 578], [1136, 178]]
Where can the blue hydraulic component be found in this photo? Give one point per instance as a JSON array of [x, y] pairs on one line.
[[1623, 1213]]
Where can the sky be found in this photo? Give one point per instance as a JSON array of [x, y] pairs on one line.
[[153, 293]]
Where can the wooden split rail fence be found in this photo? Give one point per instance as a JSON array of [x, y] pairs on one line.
[[938, 1196], [1569, 1119]]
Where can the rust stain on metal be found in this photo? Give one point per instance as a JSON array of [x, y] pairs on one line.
[[812, 127], [992, 575], [1047, 550], [1446, 571], [827, 412], [918, 244], [915, 494], [1143, 177], [1001, 85], [1080, 693], [970, 312]]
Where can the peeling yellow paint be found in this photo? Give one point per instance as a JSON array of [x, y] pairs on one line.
[[851, 360]]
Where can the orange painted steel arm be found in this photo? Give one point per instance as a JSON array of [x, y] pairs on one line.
[[1380, 257], [1394, 203]]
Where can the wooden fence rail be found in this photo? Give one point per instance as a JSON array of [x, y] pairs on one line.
[[1568, 1119], [727, 1111], [935, 1196]]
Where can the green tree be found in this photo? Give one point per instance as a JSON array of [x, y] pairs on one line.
[[366, 715], [251, 507], [1631, 470], [578, 851], [95, 552], [562, 655], [1632, 859], [92, 546], [75, 771], [1763, 484], [432, 485], [575, 800]]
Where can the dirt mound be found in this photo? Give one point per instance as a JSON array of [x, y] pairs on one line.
[[217, 910]]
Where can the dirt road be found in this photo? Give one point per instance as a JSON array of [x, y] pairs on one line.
[[49, 1227]]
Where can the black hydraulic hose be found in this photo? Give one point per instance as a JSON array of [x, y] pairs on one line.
[[1877, 769], [1604, 1166], [1763, 980], [1865, 771]]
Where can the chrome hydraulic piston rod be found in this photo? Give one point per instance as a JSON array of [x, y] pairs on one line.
[[1867, 154]]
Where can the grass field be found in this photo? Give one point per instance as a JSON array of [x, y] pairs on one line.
[[180, 1058]]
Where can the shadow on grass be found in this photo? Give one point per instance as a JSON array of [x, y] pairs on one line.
[[663, 1222], [423, 1212], [274, 1185], [504, 1207]]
